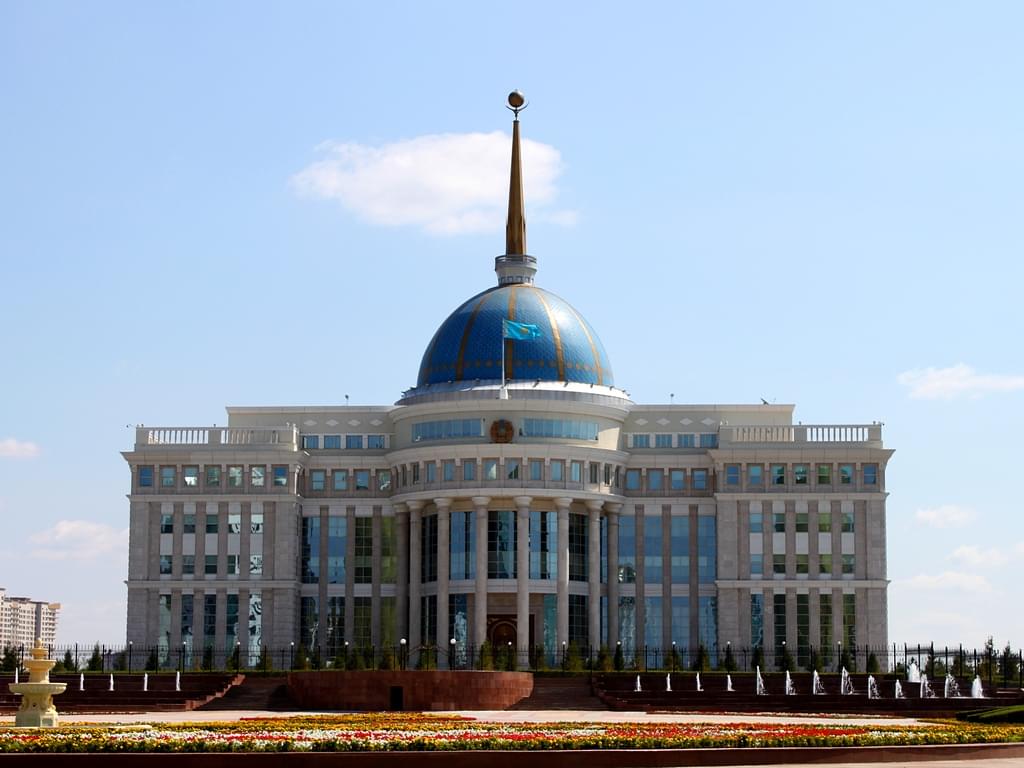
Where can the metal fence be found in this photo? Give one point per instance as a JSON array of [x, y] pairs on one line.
[[996, 667]]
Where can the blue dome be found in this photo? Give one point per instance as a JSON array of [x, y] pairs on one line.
[[467, 346]]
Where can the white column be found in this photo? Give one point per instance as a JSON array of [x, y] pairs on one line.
[[594, 572], [480, 601], [443, 529], [562, 603], [415, 575], [612, 511], [523, 580]]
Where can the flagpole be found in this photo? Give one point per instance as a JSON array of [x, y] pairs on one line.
[[502, 393]]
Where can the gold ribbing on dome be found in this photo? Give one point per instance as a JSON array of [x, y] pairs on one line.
[[515, 226]]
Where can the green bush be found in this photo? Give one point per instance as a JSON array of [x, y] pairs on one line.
[[1014, 714]]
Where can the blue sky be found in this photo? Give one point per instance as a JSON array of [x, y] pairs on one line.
[[243, 203]]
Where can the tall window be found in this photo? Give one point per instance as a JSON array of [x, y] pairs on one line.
[[632, 479], [428, 618], [339, 478], [779, 607], [316, 479], [699, 479], [677, 479], [707, 549], [845, 474], [850, 620], [824, 474], [655, 479], [310, 553], [469, 470], [257, 476], [652, 549], [756, 522], [707, 618], [756, 620], [512, 469], [543, 545], [778, 474], [536, 470], [428, 544], [732, 474], [167, 477], [501, 545], [213, 476], [578, 625], [755, 474], [334, 625], [627, 624], [870, 472], [653, 622], [800, 474], [363, 565], [462, 561], [825, 620], [231, 621], [680, 543], [388, 551], [577, 547], [681, 622], [803, 628], [362, 620], [336, 540], [191, 476], [209, 619], [627, 550], [145, 477], [187, 619]]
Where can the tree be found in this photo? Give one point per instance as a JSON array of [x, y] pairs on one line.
[[387, 660], [604, 659], [757, 657], [572, 661], [486, 658], [701, 663], [872, 664], [784, 660], [69, 663], [301, 658], [10, 660], [619, 662], [153, 662], [729, 661], [95, 662], [813, 660], [1007, 664]]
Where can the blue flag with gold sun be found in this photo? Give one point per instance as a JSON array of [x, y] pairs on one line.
[[510, 329]]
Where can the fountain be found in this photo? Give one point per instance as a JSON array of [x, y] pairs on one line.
[[145, 682], [872, 687], [111, 686], [637, 689], [699, 686], [81, 682], [926, 688], [913, 672], [177, 682], [37, 710], [668, 683], [817, 688], [728, 684], [977, 690], [759, 684], [951, 689], [846, 684], [898, 691], [790, 688]]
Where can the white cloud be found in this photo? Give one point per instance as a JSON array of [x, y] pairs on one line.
[[946, 516], [977, 557], [17, 449], [445, 184], [949, 580], [79, 540], [959, 380]]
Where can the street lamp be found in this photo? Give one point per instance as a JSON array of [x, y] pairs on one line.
[[672, 661], [451, 654], [181, 656], [511, 657], [129, 657], [839, 656], [291, 664], [401, 654], [238, 655]]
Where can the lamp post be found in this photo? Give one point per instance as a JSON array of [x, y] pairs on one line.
[[291, 664], [451, 654], [785, 662], [401, 654], [672, 661], [839, 656], [129, 657], [511, 657], [728, 655], [181, 657], [238, 655]]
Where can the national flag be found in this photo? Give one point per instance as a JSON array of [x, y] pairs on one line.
[[510, 329]]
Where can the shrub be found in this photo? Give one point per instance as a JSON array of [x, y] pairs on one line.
[[619, 661]]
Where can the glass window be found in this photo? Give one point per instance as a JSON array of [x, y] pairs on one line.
[[732, 474], [462, 545], [655, 479], [388, 551], [845, 474], [363, 573], [213, 476], [755, 474], [757, 564], [627, 549], [317, 478], [663, 441], [416, 473], [801, 522], [188, 523], [331, 442], [756, 522], [778, 474], [680, 546], [641, 440], [234, 477], [757, 620], [577, 547], [384, 479], [188, 565], [469, 470], [825, 564], [699, 479], [255, 565], [677, 479], [166, 523], [870, 474], [451, 429], [501, 545], [448, 471], [340, 479], [557, 471], [543, 549], [802, 565], [512, 469], [233, 567], [779, 565], [570, 429], [234, 522], [375, 442], [191, 476], [354, 442], [848, 526], [632, 479], [257, 476], [779, 522], [280, 476], [709, 440], [145, 477], [536, 470], [824, 521], [824, 474], [211, 522], [362, 479], [686, 440], [431, 470], [210, 565], [165, 565], [256, 522], [652, 549], [310, 442], [595, 472], [850, 620], [800, 474], [848, 565], [490, 469], [167, 477], [309, 552], [707, 549], [607, 474]]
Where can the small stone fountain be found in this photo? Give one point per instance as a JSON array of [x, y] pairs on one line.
[[817, 687], [700, 688], [898, 691], [845, 684], [913, 672], [872, 687], [977, 689], [37, 710], [951, 688], [668, 683], [926, 688], [637, 688], [728, 684], [759, 683], [790, 687]]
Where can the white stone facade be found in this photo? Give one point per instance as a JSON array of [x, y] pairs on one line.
[[23, 621]]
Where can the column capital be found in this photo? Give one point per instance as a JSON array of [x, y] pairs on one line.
[[443, 504], [594, 505], [523, 501], [400, 507], [415, 505], [613, 507], [563, 503], [481, 501]]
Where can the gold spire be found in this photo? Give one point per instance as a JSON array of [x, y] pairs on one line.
[[515, 226]]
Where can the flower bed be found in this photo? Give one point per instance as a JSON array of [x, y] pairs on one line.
[[412, 732]]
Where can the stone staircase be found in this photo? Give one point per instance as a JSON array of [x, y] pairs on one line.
[[573, 692], [255, 693]]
